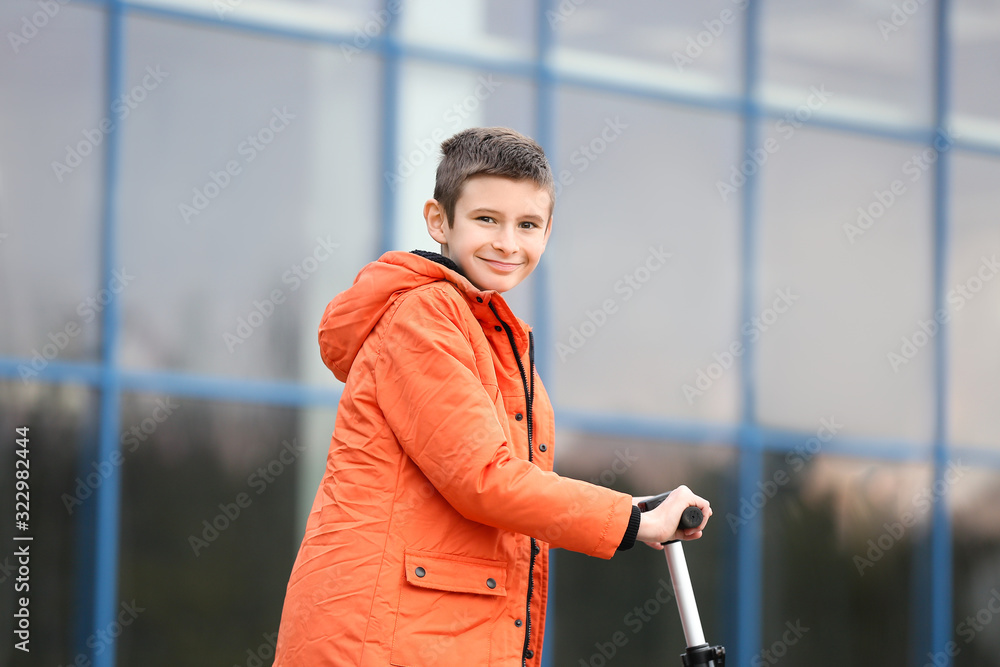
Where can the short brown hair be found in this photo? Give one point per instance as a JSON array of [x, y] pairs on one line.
[[493, 151]]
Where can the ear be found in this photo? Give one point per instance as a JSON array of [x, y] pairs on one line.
[[548, 230], [437, 221]]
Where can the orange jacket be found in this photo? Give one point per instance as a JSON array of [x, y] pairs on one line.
[[428, 540]]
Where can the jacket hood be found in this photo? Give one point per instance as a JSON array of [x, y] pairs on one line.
[[353, 313]]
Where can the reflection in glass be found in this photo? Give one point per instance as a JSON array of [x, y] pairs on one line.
[[683, 47], [877, 66], [849, 237], [52, 140], [631, 593], [975, 88], [973, 297], [268, 202], [644, 258], [208, 526], [63, 477], [976, 557], [840, 537]]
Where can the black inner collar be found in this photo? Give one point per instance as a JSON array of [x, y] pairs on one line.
[[440, 259]]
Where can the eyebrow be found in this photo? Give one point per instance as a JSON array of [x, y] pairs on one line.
[[495, 213]]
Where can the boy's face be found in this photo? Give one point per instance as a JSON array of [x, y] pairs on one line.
[[499, 233]]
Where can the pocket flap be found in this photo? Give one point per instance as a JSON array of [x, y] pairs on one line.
[[459, 574]]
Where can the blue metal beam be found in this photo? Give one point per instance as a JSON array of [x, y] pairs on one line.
[[542, 323], [980, 148], [650, 428], [108, 495], [54, 371], [388, 236], [237, 22], [853, 446], [748, 550], [209, 387], [231, 390], [941, 554], [979, 457], [611, 424]]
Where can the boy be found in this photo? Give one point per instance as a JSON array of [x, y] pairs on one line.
[[428, 540]]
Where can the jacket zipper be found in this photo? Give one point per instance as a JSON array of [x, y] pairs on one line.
[[529, 397]]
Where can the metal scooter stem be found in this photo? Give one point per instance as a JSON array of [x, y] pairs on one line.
[[686, 605], [698, 651]]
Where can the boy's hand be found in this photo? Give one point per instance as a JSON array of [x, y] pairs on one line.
[[661, 523]]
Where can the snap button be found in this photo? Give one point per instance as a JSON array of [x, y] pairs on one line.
[[479, 299], [518, 416], [498, 328], [491, 582], [517, 623], [542, 447], [420, 571]]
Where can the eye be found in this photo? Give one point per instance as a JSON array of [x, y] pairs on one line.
[[485, 218], [530, 224]]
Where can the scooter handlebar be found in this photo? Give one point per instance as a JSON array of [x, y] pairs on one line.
[[698, 652], [690, 518]]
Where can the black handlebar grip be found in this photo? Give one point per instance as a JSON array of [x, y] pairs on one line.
[[691, 517]]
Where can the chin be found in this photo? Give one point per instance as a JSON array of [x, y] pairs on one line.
[[485, 279], [506, 287], [496, 285]]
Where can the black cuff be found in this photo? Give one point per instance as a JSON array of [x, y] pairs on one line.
[[628, 541]]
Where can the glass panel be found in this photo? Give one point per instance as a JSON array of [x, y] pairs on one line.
[[839, 543], [976, 515], [644, 258], [486, 28], [692, 46], [973, 298], [874, 57], [622, 611], [251, 163], [208, 525], [60, 484], [845, 249], [52, 144], [975, 91]]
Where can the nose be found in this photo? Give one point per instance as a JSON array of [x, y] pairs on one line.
[[505, 240]]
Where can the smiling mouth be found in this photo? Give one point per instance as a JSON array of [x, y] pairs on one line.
[[501, 266]]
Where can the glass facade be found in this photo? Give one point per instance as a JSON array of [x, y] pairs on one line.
[[770, 278]]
